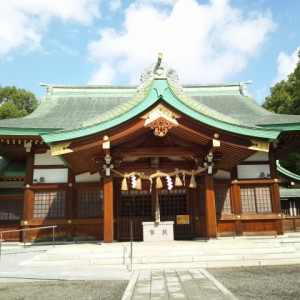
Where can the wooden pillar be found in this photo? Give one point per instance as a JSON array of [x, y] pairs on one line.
[[108, 210], [275, 195], [28, 207], [70, 205], [28, 194], [236, 202], [210, 207], [237, 208]]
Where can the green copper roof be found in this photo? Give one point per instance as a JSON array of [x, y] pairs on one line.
[[159, 89], [286, 172], [69, 112], [289, 193]]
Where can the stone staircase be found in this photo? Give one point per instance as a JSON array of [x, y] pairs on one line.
[[223, 252]]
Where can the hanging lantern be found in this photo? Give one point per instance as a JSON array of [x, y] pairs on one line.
[[138, 185], [124, 186], [178, 181], [193, 184], [159, 184]]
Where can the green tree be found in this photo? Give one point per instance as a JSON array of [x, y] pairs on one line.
[[285, 99], [16, 103]]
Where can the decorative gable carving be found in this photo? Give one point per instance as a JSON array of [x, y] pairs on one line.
[[161, 120]]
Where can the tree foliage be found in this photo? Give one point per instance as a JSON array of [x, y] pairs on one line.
[[285, 95], [285, 99], [16, 103]]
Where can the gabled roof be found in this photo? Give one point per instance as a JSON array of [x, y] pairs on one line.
[[69, 112]]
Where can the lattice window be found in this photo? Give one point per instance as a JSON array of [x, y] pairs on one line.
[[136, 203], [256, 199], [172, 202], [89, 203], [11, 209], [222, 196], [263, 199], [50, 204]]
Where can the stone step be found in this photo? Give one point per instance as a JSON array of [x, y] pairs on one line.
[[196, 254], [65, 254], [44, 260], [215, 264]]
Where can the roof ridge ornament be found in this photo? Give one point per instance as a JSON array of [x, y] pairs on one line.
[[159, 70]]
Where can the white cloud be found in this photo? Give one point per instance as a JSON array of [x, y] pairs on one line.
[[105, 75], [22, 23], [204, 43], [286, 65], [168, 2], [114, 5]]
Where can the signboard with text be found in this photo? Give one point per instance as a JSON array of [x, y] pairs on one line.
[[182, 219]]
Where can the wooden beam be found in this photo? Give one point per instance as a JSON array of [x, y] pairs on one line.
[[225, 138], [213, 145], [112, 136], [130, 166], [157, 152]]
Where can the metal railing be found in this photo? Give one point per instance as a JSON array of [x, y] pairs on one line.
[[24, 235]]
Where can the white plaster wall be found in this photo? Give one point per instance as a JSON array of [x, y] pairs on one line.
[[47, 159], [252, 171], [259, 156], [87, 177], [222, 175], [51, 175]]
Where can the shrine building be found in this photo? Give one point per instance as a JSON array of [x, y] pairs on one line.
[[91, 159]]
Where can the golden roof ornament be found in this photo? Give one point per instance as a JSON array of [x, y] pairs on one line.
[[159, 70]]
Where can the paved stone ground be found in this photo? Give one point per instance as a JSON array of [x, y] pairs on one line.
[[270, 283]]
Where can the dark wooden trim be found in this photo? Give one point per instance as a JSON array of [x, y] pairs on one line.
[[114, 134], [256, 162], [89, 185], [157, 151], [50, 167], [254, 181], [29, 168], [49, 186], [64, 221], [244, 217]]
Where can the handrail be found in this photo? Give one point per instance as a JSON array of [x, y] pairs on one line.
[[24, 237]]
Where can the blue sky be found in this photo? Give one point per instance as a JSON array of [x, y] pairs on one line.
[[112, 42]]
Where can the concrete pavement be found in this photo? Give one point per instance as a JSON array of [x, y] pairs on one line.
[[152, 284], [175, 284], [174, 270]]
